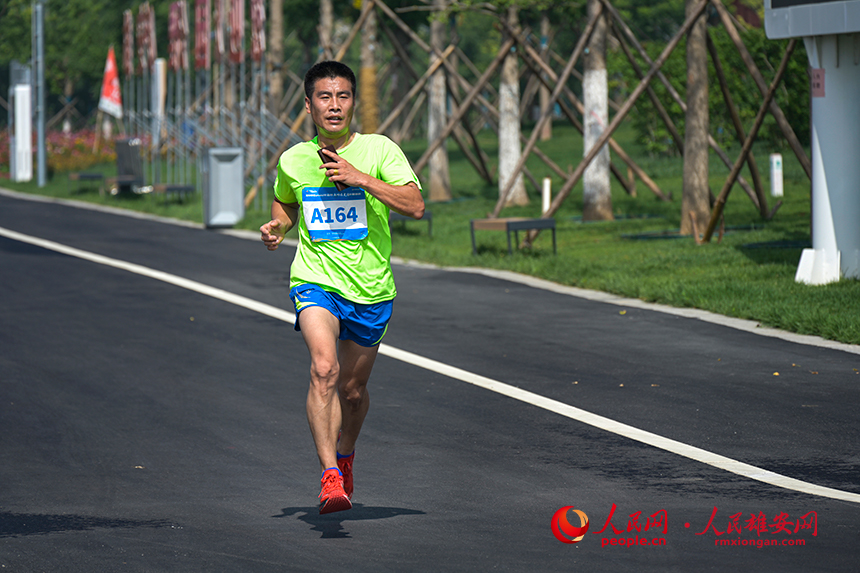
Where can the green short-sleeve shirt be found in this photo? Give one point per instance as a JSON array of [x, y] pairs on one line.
[[344, 238]]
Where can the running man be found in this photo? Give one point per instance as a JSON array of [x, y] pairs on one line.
[[340, 280]]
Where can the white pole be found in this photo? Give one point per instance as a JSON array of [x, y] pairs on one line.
[[22, 159], [546, 194], [776, 175]]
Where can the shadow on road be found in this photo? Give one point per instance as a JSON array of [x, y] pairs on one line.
[[23, 524], [331, 525]]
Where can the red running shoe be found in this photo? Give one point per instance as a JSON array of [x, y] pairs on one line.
[[332, 496], [344, 464]]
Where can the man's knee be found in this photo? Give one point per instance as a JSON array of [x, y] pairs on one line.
[[324, 373], [353, 391]]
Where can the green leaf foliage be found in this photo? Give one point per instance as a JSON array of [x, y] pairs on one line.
[[792, 95]]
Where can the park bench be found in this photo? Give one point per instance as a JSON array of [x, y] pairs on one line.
[[168, 189], [87, 177], [428, 216], [511, 224]]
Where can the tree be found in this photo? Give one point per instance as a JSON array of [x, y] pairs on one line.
[[545, 28], [275, 59], [596, 197], [695, 205], [654, 20], [368, 90], [509, 122], [301, 17], [326, 27], [77, 36], [440, 178]]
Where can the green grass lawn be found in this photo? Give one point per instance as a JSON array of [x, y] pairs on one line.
[[749, 274]]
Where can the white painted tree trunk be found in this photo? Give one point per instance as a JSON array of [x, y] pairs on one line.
[[509, 123], [440, 179], [596, 196]]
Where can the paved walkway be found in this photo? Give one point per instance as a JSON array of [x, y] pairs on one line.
[[152, 418]]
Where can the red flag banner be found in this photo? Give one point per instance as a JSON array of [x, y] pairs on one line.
[[153, 48], [146, 48], [258, 30], [183, 35], [128, 43], [220, 8], [237, 31], [202, 29], [142, 36], [177, 34], [174, 48], [111, 99]]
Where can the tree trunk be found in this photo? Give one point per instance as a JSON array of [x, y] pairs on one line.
[[325, 28], [404, 84], [596, 191], [509, 122], [546, 132], [440, 180], [275, 59], [695, 187], [368, 97]]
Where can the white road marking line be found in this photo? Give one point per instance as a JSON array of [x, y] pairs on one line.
[[745, 325], [220, 294], [607, 424]]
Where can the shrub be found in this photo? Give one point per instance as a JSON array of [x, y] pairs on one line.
[[74, 152], [66, 152]]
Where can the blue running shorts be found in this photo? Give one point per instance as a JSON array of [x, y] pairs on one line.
[[364, 324]]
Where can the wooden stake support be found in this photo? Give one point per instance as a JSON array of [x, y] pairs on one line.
[[546, 110], [761, 202], [622, 113], [676, 97], [534, 59], [775, 110], [759, 118]]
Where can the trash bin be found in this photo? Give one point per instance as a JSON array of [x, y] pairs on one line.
[[223, 187]]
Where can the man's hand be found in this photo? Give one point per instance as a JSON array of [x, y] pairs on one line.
[[404, 199], [339, 170], [272, 233]]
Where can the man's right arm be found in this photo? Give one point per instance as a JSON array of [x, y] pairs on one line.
[[284, 217]]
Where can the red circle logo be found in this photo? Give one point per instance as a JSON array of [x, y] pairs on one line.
[[566, 532]]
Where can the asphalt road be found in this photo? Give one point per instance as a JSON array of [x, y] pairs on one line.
[[148, 427]]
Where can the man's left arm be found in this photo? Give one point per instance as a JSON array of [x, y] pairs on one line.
[[404, 199]]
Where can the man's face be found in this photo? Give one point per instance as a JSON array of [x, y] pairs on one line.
[[331, 106]]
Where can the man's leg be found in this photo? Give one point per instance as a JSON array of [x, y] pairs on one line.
[[356, 363], [320, 330]]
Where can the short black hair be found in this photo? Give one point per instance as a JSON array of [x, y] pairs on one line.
[[327, 69]]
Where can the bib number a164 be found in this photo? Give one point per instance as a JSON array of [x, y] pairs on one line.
[[341, 214], [332, 215]]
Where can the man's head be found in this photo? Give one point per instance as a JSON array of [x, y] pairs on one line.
[[330, 99], [327, 69]]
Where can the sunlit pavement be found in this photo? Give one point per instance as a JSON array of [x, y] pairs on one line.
[[148, 427]]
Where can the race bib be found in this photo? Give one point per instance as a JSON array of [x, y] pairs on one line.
[[332, 215]]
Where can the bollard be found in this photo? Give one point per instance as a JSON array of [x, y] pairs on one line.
[[546, 194], [775, 175]]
